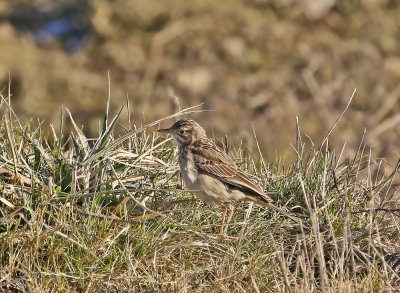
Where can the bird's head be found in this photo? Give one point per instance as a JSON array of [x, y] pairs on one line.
[[185, 131]]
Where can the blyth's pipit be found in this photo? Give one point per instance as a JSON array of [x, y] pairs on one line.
[[211, 173]]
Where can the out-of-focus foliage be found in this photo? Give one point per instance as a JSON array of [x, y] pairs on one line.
[[252, 61]]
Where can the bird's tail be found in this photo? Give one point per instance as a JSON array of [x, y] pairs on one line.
[[295, 217], [268, 203]]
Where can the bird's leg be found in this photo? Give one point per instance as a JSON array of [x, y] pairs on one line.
[[224, 223], [230, 213], [222, 230]]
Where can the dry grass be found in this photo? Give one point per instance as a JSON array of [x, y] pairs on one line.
[[109, 215]]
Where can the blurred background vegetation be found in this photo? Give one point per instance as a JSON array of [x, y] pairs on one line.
[[256, 61]]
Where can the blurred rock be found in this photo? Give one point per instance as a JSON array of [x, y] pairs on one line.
[[196, 80], [392, 65], [317, 9]]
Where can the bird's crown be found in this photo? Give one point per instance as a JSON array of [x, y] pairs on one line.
[[186, 131]]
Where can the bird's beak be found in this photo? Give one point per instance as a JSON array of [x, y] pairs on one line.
[[164, 131]]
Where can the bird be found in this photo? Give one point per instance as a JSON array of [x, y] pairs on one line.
[[211, 174]]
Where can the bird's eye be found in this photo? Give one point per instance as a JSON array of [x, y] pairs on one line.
[[182, 131]]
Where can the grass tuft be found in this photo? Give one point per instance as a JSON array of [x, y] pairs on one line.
[[109, 215]]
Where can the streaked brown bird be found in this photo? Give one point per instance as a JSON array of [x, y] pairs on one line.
[[211, 174]]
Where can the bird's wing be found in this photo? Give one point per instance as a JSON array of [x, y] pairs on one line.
[[210, 160]]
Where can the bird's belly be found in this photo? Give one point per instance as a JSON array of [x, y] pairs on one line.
[[215, 192], [209, 189]]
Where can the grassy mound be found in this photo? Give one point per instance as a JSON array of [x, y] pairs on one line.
[[110, 215]]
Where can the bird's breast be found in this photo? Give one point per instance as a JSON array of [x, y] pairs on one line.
[[189, 171]]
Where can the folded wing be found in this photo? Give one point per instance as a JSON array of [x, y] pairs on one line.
[[212, 161]]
